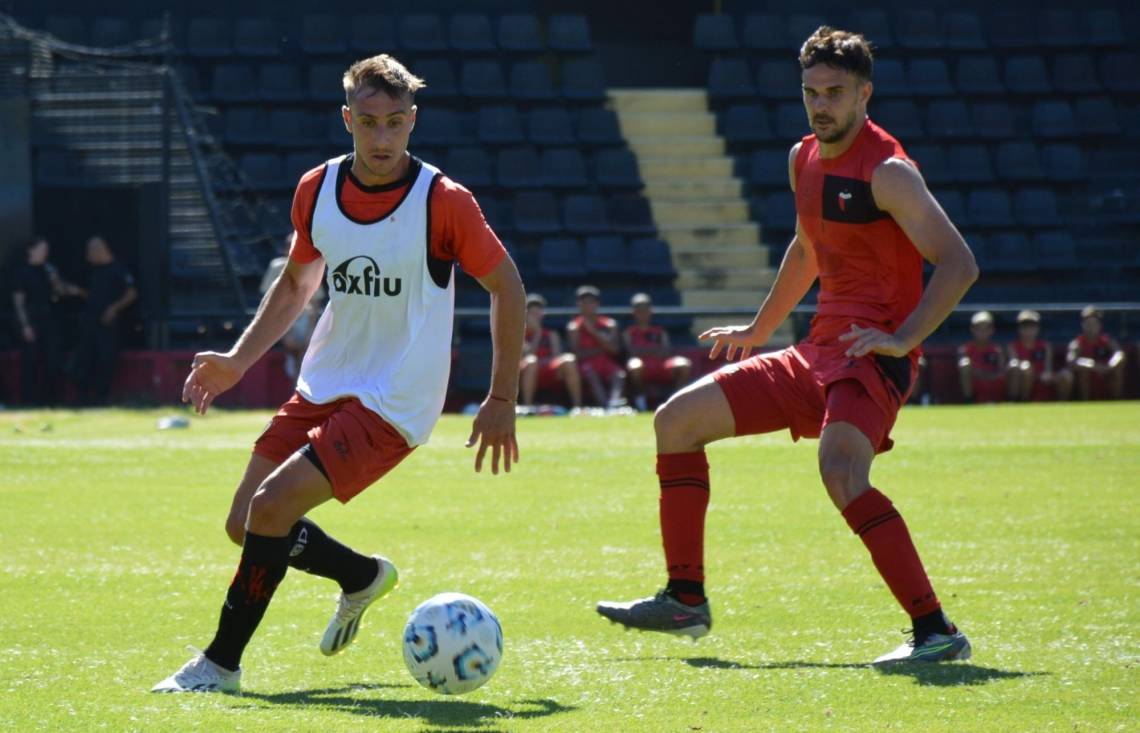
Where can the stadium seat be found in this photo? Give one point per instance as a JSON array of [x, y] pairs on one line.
[[1118, 71], [264, 171], [1055, 250], [536, 212], [799, 27], [298, 163], [898, 117], [482, 79], [949, 119], [325, 82], [971, 163], [471, 33], [607, 255], [730, 78], [929, 78], [1097, 117], [497, 213], [1075, 74], [550, 126], [1054, 120], [232, 82], [245, 125], [890, 79], [499, 125], [993, 120], [963, 31], [1011, 29], [281, 83], [780, 211], [918, 29], [67, 28], [291, 128], [616, 168], [561, 258], [471, 166], [989, 207], [519, 167], [437, 126], [371, 34], [954, 205], [531, 81], [1063, 162], [208, 38], [931, 160], [778, 79], [1008, 252], [978, 75], [746, 123], [874, 25], [519, 32], [323, 35], [439, 75], [152, 28], [1059, 28], [769, 168], [651, 257], [109, 32], [715, 32], [258, 37], [568, 33], [1103, 27], [422, 33], [1027, 75], [564, 168], [1036, 208], [599, 126], [583, 80], [791, 121], [585, 214], [630, 214], [763, 32], [1019, 161]]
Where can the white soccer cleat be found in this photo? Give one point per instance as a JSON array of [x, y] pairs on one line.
[[201, 675], [350, 608]]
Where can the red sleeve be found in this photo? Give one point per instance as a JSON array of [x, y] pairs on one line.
[[304, 200], [460, 232]]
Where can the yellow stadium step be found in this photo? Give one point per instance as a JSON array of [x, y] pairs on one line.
[[711, 166], [664, 189], [676, 146], [726, 278], [673, 124], [723, 211], [658, 100]]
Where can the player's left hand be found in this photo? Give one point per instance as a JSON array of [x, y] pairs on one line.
[[872, 340], [494, 428]]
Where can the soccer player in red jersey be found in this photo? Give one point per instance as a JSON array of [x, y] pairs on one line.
[[594, 340], [982, 365], [1031, 376], [1096, 359], [391, 229], [544, 365], [865, 221], [647, 346]]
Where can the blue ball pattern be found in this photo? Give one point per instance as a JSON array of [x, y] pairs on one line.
[[452, 643]]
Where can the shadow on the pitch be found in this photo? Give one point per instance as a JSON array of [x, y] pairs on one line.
[[446, 715], [716, 663]]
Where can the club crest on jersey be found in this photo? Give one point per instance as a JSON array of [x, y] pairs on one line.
[[844, 197], [360, 275]]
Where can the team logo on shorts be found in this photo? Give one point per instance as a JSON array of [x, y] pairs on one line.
[[360, 275]]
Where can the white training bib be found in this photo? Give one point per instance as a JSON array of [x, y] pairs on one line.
[[385, 334]]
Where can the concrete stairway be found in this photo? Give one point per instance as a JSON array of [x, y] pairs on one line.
[[698, 203]]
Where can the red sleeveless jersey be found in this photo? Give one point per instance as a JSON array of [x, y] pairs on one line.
[[1036, 354], [1098, 349], [869, 271], [985, 357], [543, 349], [587, 344], [647, 337]]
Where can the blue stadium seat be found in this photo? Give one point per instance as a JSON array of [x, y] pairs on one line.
[[531, 81], [499, 125], [536, 212], [1019, 161], [1027, 75], [372, 33], [929, 78], [875, 26], [1118, 71], [1063, 162], [326, 82], [607, 255], [564, 168], [919, 29], [497, 213], [978, 75], [1054, 120], [993, 120], [971, 163], [519, 167], [1012, 29], [989, 207], [791, 121], [438, 126], [483, 79], [108, 32], [799, 27], [1009, 252], [282, 83], [763, 32], [1055, 250], [439, 75], [298, 163], [954, 205], [1103, 27], [471, 166], [264, 171], [519, 32], [599, 126], [778, 79], [1059, 28], [890, 79], [258, 37], [154, 28], [208, 38], [931, 160], [651, 257], [68, 28], [245, 125], [568, 33], [616, 168], [585, 214], [949, 119], [291, 128], [422, 33], [780, 212], [561, 258], [550, 126], [630, 214], [963, 31], [1036, 208], [746, 123], [232, 82], [899, 117], [323, 35], [715, 32], [335, 133], [583, 80], [471, 33], [769, 168], [730, 78], [1075, 74], [1097, 117]]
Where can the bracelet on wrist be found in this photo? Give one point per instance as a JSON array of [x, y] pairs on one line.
[[499, 399]]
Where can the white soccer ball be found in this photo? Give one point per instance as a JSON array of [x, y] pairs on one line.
[[452, 643]]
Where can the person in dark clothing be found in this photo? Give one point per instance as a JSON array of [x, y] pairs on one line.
[[36, 289], [111, 290]]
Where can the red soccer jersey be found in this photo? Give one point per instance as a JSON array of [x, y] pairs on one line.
[[985, 357], [869, 271], [1098, 349], [645, 338], [1037, 354], [543, 349], [588, 345]]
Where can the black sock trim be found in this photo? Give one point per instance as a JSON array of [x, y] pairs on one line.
[[690, 587], [876, 521], [676, 483]]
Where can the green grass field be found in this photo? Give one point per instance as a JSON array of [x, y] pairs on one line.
[[114, 559]]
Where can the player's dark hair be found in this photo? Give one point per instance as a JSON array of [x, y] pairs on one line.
[[382, 73], [840, 50]]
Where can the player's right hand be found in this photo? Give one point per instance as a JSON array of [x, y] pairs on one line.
[[736, 342], [210, 375]]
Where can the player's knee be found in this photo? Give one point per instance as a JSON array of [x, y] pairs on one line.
[[672, 422], [837, 469], [235, 529], [264, 509]]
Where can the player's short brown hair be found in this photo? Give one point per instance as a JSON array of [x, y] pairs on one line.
[[840, 50], [382, 73]]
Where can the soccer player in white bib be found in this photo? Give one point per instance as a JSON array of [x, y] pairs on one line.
[[390, 229]]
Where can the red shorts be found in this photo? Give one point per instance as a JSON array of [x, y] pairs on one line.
[[602, 365], [354, 445], [548, 376], [989, 390], [658, 370], [806, 387]]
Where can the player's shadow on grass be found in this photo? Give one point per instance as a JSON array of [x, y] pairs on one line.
[[445, 713], [923, 673]]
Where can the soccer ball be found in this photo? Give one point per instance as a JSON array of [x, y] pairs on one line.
[[452, 643]]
